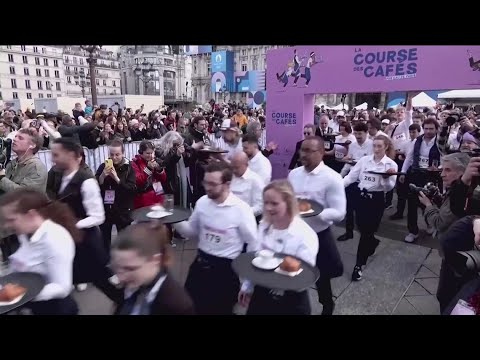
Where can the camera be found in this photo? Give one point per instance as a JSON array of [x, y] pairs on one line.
[[464, 262], [5, 152], [430, 190]]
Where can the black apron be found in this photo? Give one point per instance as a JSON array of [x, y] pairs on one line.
[[66, 306], [272, 302]]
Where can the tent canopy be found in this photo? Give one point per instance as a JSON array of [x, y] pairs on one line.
[[423, 100], [363, 106], [340, 107], [460, 94]]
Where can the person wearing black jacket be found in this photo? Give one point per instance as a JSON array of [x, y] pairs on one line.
[[69, 129], [118, 188], [308, 130]]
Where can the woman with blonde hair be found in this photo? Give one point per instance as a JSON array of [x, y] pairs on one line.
[[370, 205], [281, 231]]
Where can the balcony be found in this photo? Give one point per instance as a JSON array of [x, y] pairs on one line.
[[107, 66]]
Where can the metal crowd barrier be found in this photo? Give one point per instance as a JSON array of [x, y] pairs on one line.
[[94, 157]]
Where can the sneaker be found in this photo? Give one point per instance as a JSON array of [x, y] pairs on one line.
[[357, 273], [410, 238], [388, 206], [81, 287], [345, 237], [396, 216]]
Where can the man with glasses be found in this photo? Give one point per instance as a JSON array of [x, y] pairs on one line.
[[316, 181], [308, 130], [222, 223]]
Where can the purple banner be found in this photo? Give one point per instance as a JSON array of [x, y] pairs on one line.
[[295, 74]]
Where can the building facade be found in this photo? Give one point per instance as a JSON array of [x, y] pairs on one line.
[[107, 72], [166, 72], [31, 72]]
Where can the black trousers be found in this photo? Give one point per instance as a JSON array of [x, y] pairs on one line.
[[402, 193], [268, 302], [106, 229], [8, 246], [66, 306], [352, 193], [419, 178], [212, 284], [369, 211]]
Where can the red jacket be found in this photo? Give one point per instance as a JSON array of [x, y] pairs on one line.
[[146, 196]]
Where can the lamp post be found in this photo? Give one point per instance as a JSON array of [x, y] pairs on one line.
[[92, 61], [223, 91], [145, 73], [81, 76]]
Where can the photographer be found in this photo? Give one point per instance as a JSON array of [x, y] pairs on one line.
[[69, 129], [442, 216]]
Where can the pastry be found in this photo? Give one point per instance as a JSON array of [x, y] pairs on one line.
[[304, 206], [10, 292], [290, 264]]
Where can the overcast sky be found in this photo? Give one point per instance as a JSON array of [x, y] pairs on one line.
[[113, 48]]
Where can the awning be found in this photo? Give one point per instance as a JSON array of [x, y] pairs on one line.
[[460, 94]]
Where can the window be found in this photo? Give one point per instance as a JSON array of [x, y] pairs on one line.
[[55, 63], [81, 61], [27, 84], [10, 57], [114, 83], [57, 74], [69, 79], [208, 67], [39, 85], [244, 52], [57, 86], [44, 51], [26, 71], [255, 51], [15, 95], [47, 73], [14, 83], [35, 49], [49, 96], [23, 48], [40, 96], [37, 61], [244, 67], [45, 62], [76, 82], [9, 47], [104, 91], [96, 71], [104, 82], [97, 81], [254, 64], [39, 72], [12, 70], [25, 59], [74, 60], [29, 95], [75, 69], [67, 68], [48, 85]]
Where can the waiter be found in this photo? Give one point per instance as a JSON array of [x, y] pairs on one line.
[[316, 181], [423, 157], [370, 204], [69, 182], [362, 147], [222, 223]]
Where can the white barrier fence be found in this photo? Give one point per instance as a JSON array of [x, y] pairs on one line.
[[93, 157]]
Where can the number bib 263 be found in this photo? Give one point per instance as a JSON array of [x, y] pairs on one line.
[[370, 179]]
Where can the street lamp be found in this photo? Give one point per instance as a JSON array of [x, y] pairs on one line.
[[92, 51], [145, 73], [81, 75], [223, 91]]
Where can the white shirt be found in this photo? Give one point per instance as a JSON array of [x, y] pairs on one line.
[[48, 252], [222, 229], [372, 182], [298, 240], [91, 199], [334, 125], [249, 188], [453, 142], [261, 165], [324, 186], [400, 132], [379, 132], [424, 154], [232, 149], [356, 152]]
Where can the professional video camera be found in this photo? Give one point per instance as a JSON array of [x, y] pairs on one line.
[[430, 190], [5, 152], [465, 261]]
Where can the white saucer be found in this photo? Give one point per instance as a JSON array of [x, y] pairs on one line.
[[157, 208], [158, 214], [266, 263]]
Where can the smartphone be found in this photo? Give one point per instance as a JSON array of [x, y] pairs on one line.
[[108, 163]]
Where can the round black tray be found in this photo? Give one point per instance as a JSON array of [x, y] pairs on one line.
[[33, 282], [242, 265], [316, 207], [214, 151], [179, 214], [385, 173]]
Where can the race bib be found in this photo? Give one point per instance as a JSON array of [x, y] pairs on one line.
[[370, 179], [400, 137], [213, 237], [326, 144], [157, 186], [423, 162], [109, 198], [339, 155]]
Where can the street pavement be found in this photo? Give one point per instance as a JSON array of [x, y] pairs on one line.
[[400, 279]]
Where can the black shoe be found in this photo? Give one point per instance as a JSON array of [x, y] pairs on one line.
[[328, 309], [396, 216], [357, 273], [345, 237]]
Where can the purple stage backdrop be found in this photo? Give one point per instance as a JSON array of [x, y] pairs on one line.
[[295, 74]]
